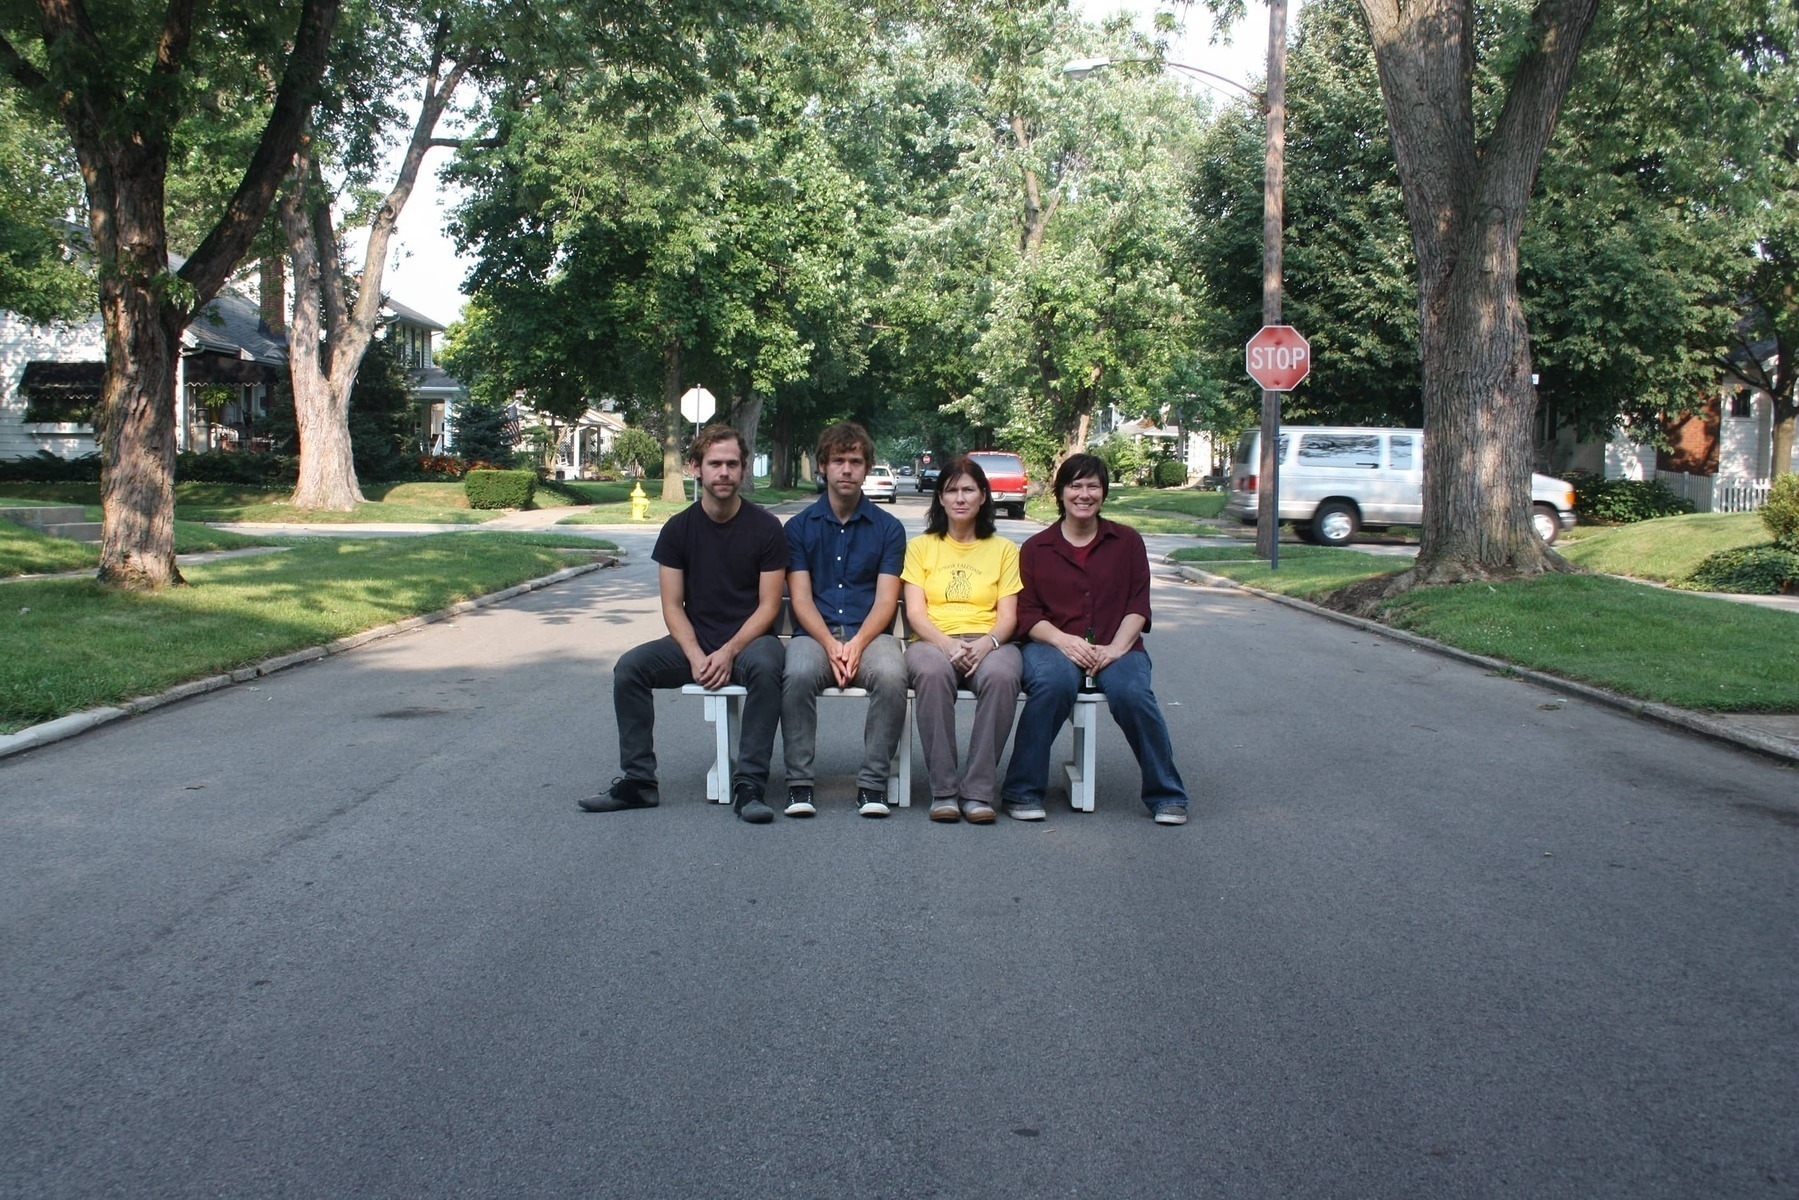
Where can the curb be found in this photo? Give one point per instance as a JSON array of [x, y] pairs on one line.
[[77, 723], [1666, 714]]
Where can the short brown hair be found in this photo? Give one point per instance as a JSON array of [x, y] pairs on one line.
[[710, 436], [842, 437]]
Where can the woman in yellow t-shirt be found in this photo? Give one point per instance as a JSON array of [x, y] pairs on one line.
[[961, 583]]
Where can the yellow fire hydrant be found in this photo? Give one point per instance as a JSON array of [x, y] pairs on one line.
[[640, 503]]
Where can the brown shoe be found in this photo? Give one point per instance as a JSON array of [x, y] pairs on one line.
[[977, 812], [944, 809]]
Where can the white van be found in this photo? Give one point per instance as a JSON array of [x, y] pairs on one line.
[[1335, 480]]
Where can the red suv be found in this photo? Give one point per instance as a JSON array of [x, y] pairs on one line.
[[1005, 475]]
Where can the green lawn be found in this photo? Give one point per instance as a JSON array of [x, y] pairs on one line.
[[1665, 549], [1148, 510], [399, 503], [1690, 651], [27, 552], [72, 644]]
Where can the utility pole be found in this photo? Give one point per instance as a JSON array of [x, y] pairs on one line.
[[1273, 216]]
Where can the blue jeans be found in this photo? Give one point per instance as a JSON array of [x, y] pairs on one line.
[[1052, 682]]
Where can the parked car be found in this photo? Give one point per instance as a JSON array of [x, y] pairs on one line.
[[1336, 480], [880, 484], [1006, 476]]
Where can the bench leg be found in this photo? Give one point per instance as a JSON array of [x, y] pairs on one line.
[[899, 771], [1085, 721], [726, 715]]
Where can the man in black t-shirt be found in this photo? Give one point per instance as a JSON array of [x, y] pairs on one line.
[[722, 569]]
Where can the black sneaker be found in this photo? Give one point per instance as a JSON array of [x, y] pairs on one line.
[[872, 802], [799, 801], [746, 802], [623, 794]]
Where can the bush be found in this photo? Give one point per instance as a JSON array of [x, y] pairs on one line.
[[225, 466], [1781, 513], [442, 465], [1748, 570], [1171, 472], [1621, 501], [45, 467], [500, 489]]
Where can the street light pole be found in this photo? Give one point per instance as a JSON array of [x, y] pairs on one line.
[[1273, 212]]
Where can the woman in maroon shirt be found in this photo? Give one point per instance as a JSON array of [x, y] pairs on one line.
[[1085, 606]]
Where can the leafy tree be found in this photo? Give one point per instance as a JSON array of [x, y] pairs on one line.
[[635, 449], [486, 433], [121, 86], [40, 191]]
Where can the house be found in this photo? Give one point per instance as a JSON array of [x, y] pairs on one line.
[[1720, 457], [1194, 448], [232, 355], [50, 378], [435, 390]]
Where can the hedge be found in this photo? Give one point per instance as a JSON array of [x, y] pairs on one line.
[[1746, 570], [500, 489], [1624, 500], [1171, 472]]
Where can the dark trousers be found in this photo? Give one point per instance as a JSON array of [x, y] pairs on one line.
[[660, 664]]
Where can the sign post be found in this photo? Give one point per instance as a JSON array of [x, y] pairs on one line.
[[697, 405], [1278, 358]]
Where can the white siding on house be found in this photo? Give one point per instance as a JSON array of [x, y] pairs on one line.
[[1625, 459], [23, 341]]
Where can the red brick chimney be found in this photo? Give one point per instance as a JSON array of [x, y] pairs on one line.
[[273, 288]]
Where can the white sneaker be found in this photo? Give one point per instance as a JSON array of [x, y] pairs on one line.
[[799, 802], [1171, 814], [870, 803]]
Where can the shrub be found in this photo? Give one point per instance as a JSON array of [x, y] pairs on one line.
[[1749, 570], [1171, 472], [225, 466], [1624, 500], [45, 467], [442, 464], [500, 489], [1781, 513]]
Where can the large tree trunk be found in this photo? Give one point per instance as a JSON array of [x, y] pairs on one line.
[[749, 421], [1465, 201], [673, 424], [1785, 412], [322, 383], [321, 395], [780, 454], [136, 421]]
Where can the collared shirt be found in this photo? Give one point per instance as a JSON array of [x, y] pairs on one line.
[[845, 558], [1089, 600]]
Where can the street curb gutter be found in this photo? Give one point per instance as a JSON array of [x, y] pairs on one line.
[[1678, 718], [76, 723]]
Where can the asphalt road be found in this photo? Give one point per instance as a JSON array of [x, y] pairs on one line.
[[1431, 933]]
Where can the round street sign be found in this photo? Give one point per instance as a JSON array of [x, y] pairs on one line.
[[1278, 357], [697, 404]]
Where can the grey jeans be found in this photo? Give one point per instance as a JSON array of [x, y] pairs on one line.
[[882, 671], [661, 664], [995, 687]]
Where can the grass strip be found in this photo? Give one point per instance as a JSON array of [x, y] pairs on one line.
[[27, 552], [72, 644], [1665, 549], [1693, 652]]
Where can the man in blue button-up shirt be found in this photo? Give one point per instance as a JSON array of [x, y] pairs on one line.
[[843, 574]]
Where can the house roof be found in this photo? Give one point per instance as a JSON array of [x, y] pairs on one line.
[[411, 315], [232, 325], [433, 379]]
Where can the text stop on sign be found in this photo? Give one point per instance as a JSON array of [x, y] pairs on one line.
[[1278, 357]]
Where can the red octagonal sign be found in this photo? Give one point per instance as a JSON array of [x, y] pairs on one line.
[[1278, 357]]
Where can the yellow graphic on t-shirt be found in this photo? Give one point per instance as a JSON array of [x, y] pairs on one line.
[[962, 582]]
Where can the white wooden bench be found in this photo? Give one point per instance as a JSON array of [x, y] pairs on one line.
[[723, 710]]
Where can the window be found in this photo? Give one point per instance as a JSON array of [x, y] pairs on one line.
[[61, 393], [1400, 448], [1741, 405], [1351, 450]]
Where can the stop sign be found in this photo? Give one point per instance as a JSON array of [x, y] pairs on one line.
[[1278, 357]]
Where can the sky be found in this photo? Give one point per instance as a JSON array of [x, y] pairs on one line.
[[424, 273]]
